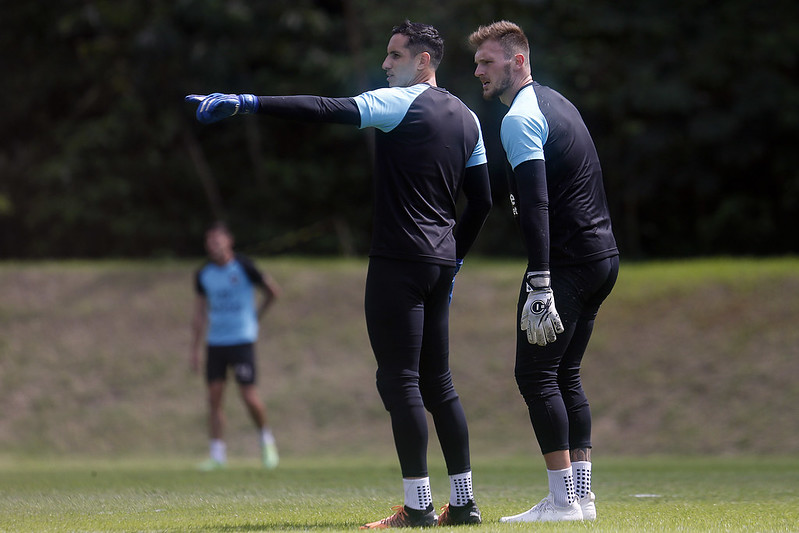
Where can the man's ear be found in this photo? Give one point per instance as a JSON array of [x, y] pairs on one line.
[[423, 60], [519, 61]]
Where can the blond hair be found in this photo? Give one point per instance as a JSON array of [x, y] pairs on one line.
[[509, 36]]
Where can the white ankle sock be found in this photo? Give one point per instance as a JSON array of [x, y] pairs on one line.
[[417, 493], [460, 489], [267, 437], [218, 450], [581, 470], [561, 485]]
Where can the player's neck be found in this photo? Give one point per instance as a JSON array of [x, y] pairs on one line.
[[508, 96], [426, 77], [224, 259]]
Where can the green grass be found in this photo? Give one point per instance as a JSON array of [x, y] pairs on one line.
[[339, 494], [691, 359]]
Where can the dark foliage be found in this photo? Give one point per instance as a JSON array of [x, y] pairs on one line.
[[693, 105]]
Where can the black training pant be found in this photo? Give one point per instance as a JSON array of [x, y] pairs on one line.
[[549, 376], [407, 316]]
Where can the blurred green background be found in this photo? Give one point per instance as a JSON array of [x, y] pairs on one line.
[[692, 357], [693, 105]]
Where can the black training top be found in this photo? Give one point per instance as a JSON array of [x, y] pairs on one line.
[[426, 140], [569, 216]]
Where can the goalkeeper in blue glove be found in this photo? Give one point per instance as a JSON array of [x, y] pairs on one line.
[[427, 151]]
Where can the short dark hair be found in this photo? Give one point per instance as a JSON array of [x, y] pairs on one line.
[[422, 38]]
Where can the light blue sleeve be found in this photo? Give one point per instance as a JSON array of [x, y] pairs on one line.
[[523, 137], [479, 154], [385, 108]]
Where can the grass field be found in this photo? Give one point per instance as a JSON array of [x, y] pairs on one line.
[[691, 375], [335, 494]]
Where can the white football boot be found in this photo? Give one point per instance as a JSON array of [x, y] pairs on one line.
[[547, 511], [588, 507]]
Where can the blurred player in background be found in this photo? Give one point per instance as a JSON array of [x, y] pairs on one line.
[[225, 320], [428, 148], [558, 199]]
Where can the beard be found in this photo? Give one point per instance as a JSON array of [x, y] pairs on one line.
[[496, 88]]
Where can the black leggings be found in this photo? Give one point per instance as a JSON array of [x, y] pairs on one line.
[[549, 376], [407, 316]]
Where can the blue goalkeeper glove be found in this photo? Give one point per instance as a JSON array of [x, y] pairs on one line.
[[458, 265], [216, 106], [539, 318]]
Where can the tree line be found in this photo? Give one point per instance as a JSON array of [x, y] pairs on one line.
[[693, 106]]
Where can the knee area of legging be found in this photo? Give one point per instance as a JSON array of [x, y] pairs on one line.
[[534, 393], [437, 389], [434, 398], [572, 386], [399, 392], [540, 381]]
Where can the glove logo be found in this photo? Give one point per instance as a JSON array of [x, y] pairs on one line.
[[538, 307]]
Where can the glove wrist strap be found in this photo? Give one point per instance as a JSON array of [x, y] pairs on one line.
[[537, 281], [248, 103]]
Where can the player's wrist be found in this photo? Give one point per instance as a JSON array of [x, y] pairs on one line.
[[248, 104], [538, 280]]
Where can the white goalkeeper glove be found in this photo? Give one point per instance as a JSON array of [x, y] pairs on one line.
[[540, 319]]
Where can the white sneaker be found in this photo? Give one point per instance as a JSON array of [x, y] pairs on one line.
[[547, 511], [588, 507], [269, 456]]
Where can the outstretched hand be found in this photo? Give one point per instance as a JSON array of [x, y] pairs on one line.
[[216, 106]]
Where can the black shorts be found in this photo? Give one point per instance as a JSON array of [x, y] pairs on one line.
[[241, 357]]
